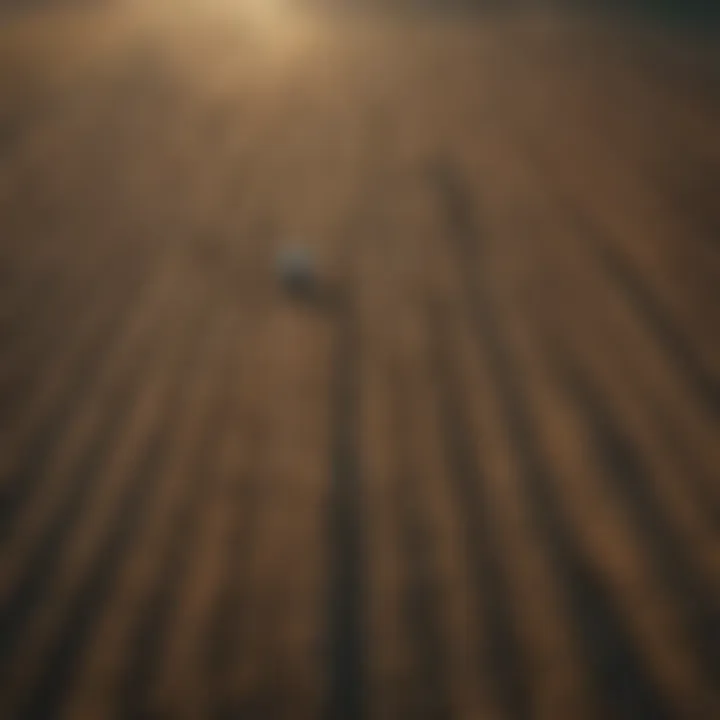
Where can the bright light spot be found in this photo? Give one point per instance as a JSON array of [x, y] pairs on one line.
[[271, 16]]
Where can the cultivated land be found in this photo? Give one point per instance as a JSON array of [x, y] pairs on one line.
[[475, 475]]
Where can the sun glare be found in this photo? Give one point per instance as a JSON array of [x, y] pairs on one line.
[[269, 15]]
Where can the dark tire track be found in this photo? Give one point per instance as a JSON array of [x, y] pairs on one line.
[[502, 647], [228, 620], [42, 567], [26, 481], [151, 635], [430, 698], [67, 649], [627, 478], [347, 657], [623, 684]]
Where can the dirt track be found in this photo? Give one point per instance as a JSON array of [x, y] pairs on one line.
[[478, 476]]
